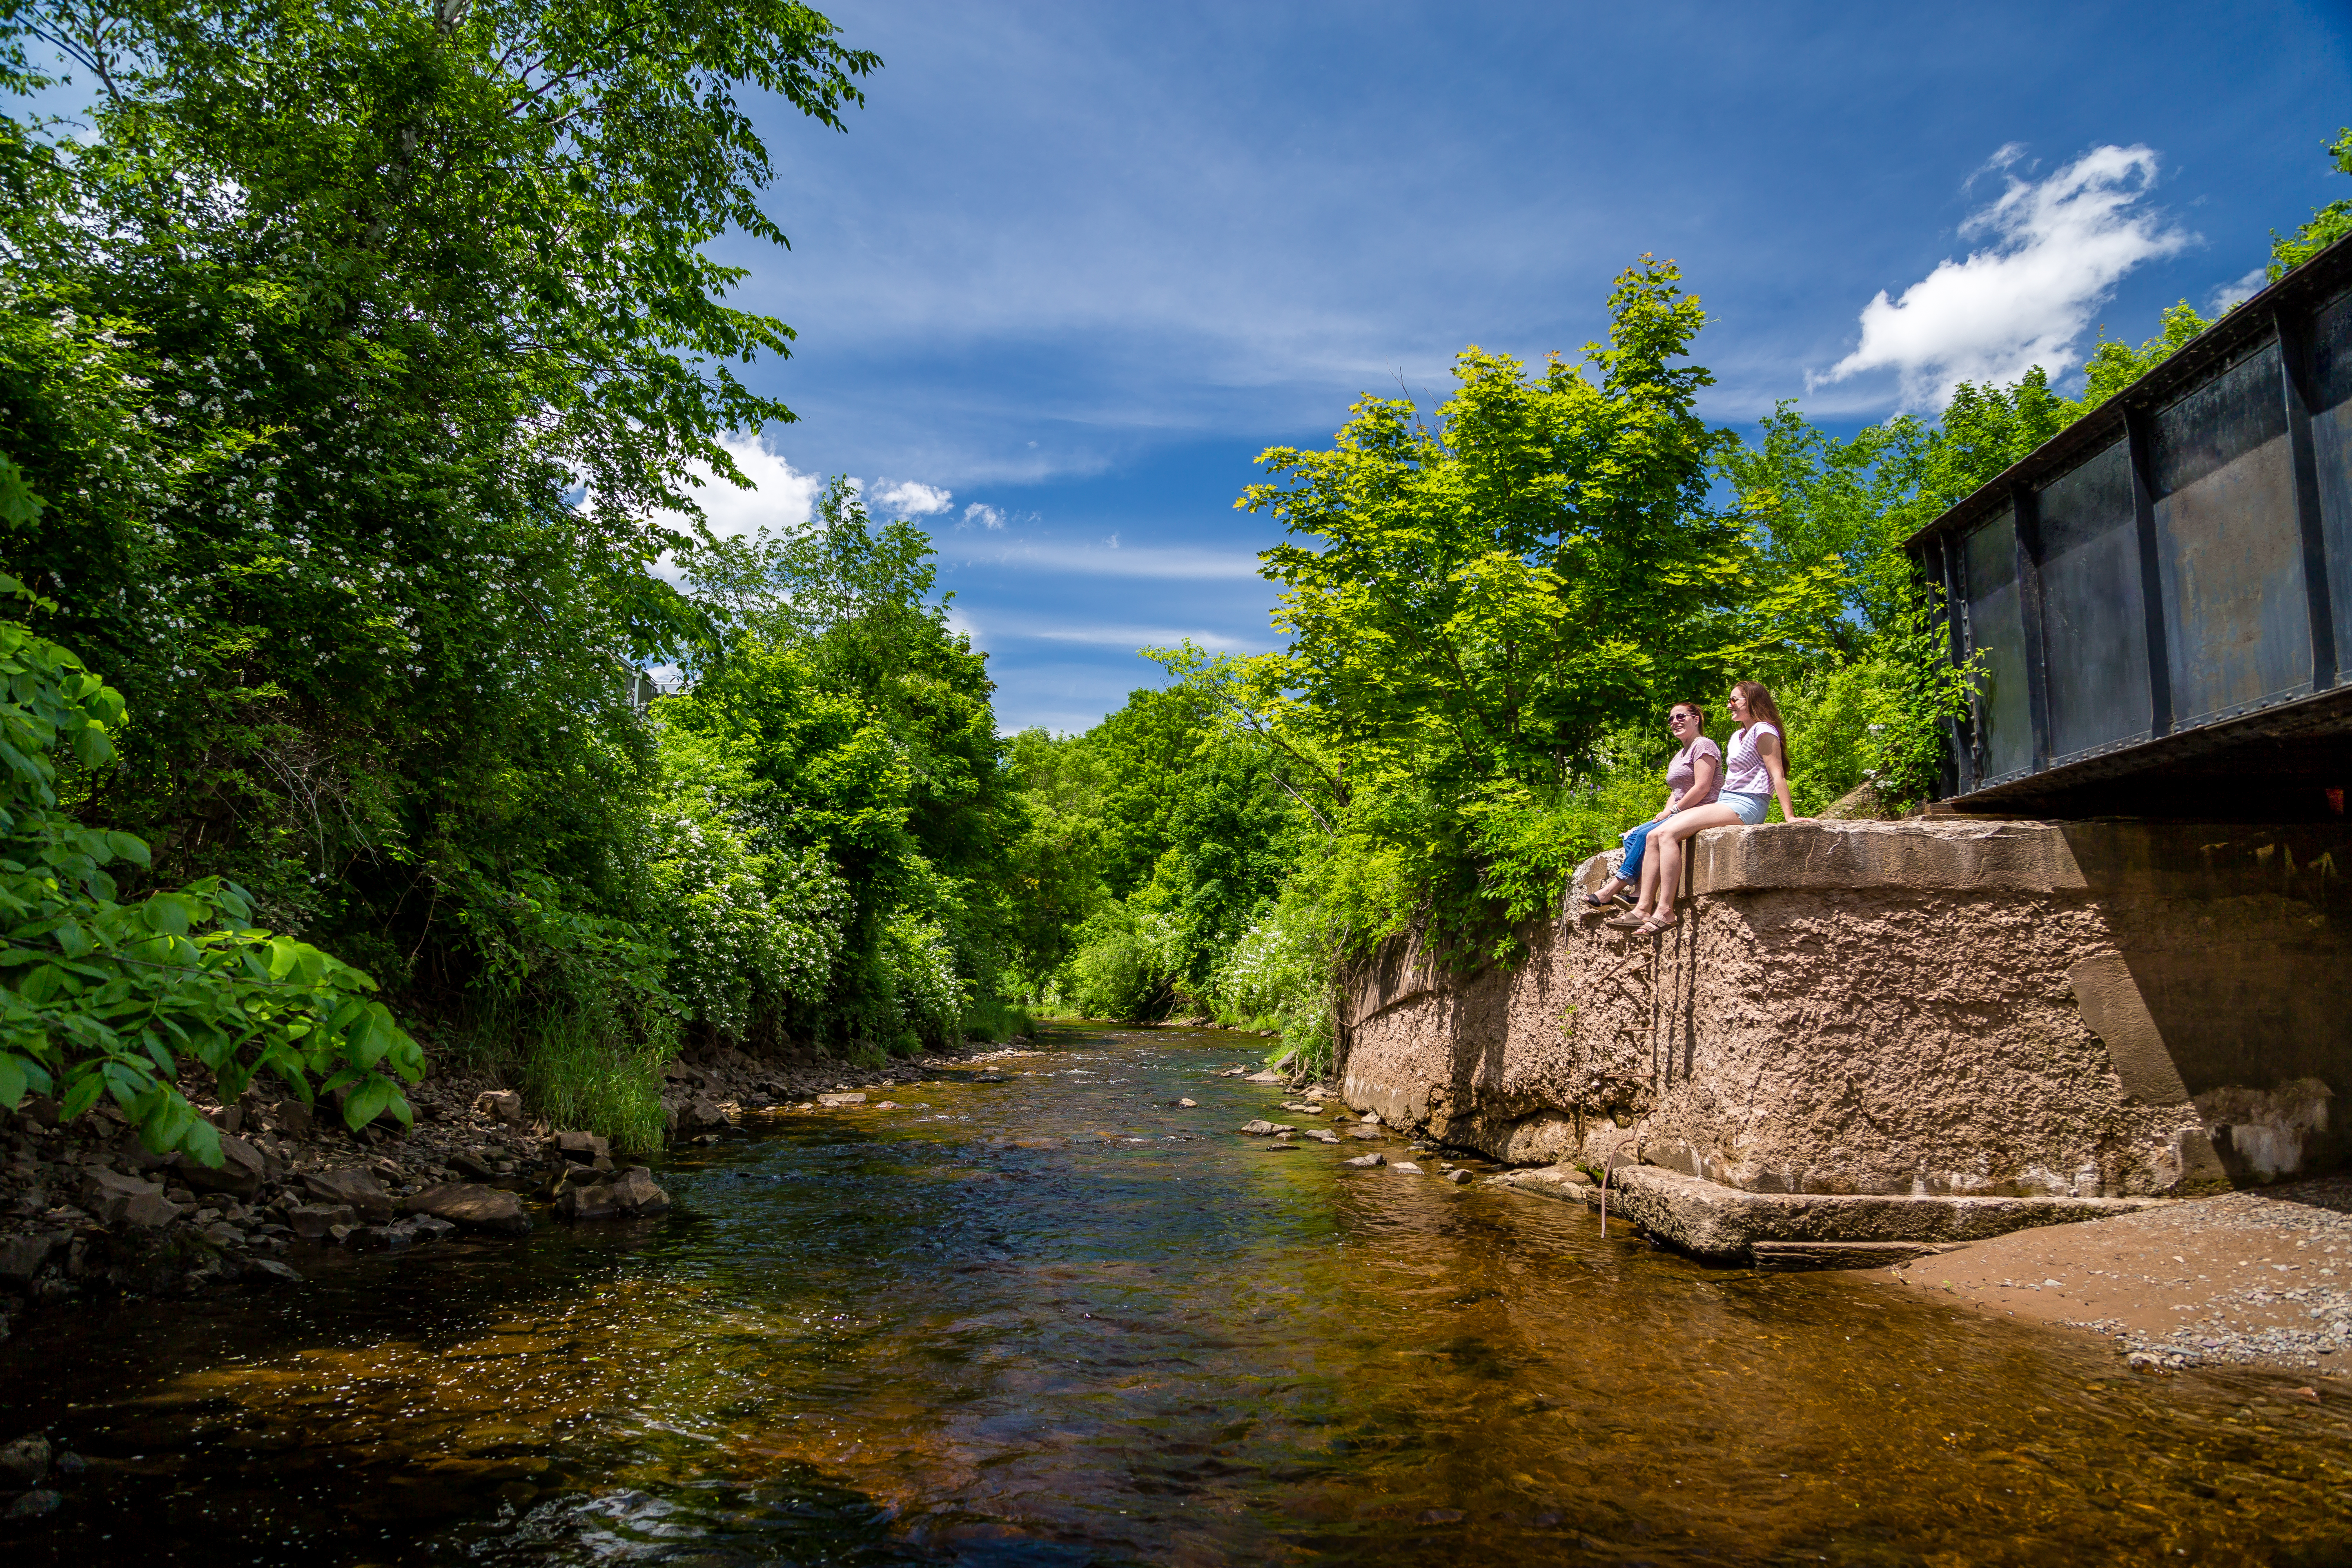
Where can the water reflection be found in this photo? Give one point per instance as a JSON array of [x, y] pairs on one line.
[[1058, 1319]]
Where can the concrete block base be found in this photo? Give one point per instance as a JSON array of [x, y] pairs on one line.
[[1727, 1224]]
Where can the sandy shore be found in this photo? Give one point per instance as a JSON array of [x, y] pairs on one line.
[[2257, 1277]]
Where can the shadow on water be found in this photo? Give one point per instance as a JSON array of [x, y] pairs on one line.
[[1060, 1319]]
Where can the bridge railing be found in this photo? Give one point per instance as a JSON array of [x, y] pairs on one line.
[[2176, 562]]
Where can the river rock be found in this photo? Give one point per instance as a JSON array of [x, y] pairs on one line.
[[1267, 1076], [703, 1114], [1406, 1167], [25, 1461], [269, 1271], [583, 1148], [1363, 1130], [119, 1200], [293, 1118], [360, 1189], [1260, 1129], [1372, 1118], [22, 1257], [312, 1222], [1322, 1135], [1190, 1104], [629, 1195], [835, 1102], [1459, 1178], [473, 1208], [240, 1173], [500, 1105], [1374, 1158], [34, 1504]]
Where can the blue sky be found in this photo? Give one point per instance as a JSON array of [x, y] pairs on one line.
[[1075, 265]]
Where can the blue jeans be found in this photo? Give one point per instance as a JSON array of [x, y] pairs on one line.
[[1637, 844]]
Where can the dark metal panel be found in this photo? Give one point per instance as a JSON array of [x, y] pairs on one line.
[[2229, 546], [2095, 612], [2029, 610], [2139, 439], [2302, 474], [2329, 383], [1996, 629]]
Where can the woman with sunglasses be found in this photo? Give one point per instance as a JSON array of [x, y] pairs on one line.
[[1755, 774], [1693, 779]]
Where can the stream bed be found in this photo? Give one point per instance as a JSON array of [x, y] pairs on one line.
[[1060, 1319]]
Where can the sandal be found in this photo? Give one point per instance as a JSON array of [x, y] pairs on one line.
[[1653, 925], [1628, 920], [1595, 901]]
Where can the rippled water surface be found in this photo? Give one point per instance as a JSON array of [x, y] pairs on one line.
[[1060, 1319]]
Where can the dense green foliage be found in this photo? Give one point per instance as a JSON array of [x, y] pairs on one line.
[[364, 358], [108, 998]]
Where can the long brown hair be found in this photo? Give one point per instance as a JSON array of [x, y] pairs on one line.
[[1761, 705]]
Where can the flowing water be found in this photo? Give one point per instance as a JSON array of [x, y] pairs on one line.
[[1058, 1320]]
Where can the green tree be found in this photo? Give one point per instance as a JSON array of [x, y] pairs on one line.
[[359, 349], [2328, 224]]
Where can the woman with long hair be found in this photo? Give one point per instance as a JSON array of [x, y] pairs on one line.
[[1693, 779], [1756, 772]]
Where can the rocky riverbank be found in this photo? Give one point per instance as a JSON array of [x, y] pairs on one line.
[[86, 1210]]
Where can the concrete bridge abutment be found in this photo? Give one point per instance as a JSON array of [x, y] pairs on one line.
[[1935, 1008]]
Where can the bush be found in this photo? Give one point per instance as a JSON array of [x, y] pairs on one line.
[[748, 934], [1125, 967], [1282, 968], [111, 998]]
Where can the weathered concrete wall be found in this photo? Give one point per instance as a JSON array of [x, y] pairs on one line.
[[1929, 1006]]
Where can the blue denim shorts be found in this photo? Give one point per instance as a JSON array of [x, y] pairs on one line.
[[1750, 807]]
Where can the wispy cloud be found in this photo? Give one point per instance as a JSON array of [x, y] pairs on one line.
[[904, 498], [2057, 249], [1149, 560], [2238, 291], [986, 516]]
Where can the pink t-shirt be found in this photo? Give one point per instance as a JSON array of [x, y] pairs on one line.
[[1683, 772], [1748, 775]]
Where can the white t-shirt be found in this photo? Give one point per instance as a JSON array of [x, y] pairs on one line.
[[1744, 771]]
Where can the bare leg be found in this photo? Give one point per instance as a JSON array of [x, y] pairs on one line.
[[1667, 842], [1647, 899]]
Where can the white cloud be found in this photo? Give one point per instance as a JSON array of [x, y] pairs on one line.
[[904, 498], [986, 516], [784, 500], [2237, 292], [2058, 247]]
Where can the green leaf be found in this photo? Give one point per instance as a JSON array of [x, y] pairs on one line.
[[13, 1081], [367, 1101], [80, 1095]]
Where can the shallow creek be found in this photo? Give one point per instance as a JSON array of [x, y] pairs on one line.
[[1060, 1319]]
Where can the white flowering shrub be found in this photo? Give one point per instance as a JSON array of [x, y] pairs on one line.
[[748, 931], [1278, 970], [921, 959], [1126, 964]]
